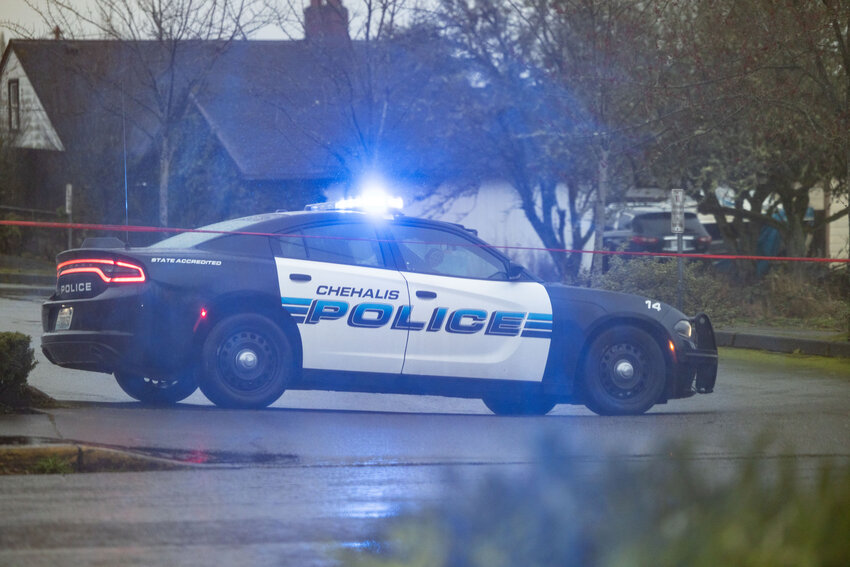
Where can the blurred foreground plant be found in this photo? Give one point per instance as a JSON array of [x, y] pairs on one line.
[[618, 512]]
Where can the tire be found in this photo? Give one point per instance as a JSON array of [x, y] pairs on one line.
[[157, 391], [532, 405], [247, 362], [624, 372]]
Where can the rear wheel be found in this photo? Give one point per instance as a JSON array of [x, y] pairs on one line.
[[531, 405], [157, 391], [624, 372], [247, 362]]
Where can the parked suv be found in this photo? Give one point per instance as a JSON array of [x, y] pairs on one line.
[[648, 229]]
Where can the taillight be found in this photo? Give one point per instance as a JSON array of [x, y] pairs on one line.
[[637, 239], [704, 240], [110, 271]]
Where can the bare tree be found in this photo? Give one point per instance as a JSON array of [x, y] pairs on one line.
[[765, 93], [571, 69], [167, 50]]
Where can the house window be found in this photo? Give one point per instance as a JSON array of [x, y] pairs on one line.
[[14, 105]]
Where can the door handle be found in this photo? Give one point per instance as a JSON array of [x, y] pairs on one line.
[[300, 277], [426, 294]]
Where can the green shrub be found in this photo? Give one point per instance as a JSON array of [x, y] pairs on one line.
[[10, 237], [703, 288], [16, 361], [814, 298], [818, 298], [665, 511]]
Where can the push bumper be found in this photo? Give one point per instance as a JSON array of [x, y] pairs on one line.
[[696, 371]]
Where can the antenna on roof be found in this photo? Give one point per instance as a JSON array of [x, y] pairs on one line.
[[124, 135]]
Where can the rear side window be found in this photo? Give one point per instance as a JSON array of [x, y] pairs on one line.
[[351, 243], [238, 244]]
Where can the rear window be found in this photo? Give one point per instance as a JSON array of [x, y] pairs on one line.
[[238, 244], [194, 239]]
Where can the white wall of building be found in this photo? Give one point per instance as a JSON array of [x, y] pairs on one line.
[[36, 131]]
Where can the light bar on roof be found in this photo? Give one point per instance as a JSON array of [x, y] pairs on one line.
[[370, 202]]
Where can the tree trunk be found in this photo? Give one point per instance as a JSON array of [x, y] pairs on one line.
[[599, 209]]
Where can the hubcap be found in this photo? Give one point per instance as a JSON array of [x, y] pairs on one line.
[[246, 359], [623, 375], [623, 369]]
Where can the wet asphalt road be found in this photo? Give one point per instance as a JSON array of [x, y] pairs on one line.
[[334, 467]]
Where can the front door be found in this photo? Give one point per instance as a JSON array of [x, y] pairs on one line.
[[467, 319]]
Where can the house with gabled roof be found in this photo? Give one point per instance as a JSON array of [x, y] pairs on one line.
[[265, 124]]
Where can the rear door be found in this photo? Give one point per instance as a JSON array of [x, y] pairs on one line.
[[466, 318], [335, 283]]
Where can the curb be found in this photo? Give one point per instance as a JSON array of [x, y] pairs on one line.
[[63, 458], [774, 343]]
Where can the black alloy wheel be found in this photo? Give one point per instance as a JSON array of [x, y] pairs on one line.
[[624, 372], [247, 362]]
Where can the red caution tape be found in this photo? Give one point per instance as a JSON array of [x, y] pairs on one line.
[[128, 228]]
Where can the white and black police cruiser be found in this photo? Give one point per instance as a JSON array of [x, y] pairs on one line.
[[351, 301]]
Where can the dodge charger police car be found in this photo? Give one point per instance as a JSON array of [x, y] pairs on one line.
[[349, 301]]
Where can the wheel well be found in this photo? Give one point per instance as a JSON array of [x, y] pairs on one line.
[[653, 330], [269, 307]]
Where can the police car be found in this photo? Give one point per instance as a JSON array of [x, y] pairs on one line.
[[349, 300]]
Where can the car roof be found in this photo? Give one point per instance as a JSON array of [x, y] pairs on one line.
[[280, 220]]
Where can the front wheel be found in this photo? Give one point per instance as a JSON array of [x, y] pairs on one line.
[[157, 391], [247, 362], [624, 372], [533, 405]]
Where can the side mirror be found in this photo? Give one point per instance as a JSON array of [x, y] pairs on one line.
[[515, 271]]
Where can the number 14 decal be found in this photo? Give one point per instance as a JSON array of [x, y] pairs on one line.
[[653, 304]]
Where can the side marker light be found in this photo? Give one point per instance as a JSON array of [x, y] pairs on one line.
[[201, 316]]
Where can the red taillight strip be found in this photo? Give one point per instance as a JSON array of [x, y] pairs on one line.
[[62, 271], [129, 279]]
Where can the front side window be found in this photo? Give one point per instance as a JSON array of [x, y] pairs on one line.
[[355, 244], [430, 250], [14, 105]]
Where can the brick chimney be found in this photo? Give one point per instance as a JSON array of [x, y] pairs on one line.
[[326, 20]]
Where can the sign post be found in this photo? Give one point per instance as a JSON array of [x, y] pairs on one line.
[[677, 227]]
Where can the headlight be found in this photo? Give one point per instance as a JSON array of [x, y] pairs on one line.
[[684, 328]]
